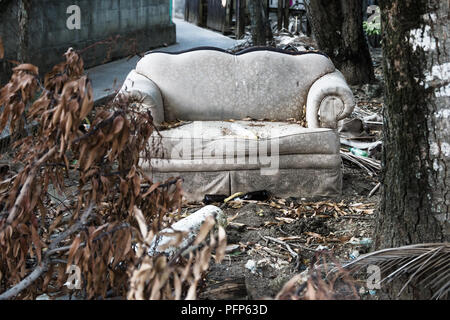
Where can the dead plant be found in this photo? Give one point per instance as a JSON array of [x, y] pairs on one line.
[[324, 280], [81, 198]]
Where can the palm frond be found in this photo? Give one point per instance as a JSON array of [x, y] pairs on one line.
[[425, 264]]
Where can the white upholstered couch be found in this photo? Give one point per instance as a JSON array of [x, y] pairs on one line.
[[216, 151]]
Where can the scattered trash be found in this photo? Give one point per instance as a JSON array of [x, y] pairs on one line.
[[43, 297], [233, 197], [372, 292], [354, 254], [251, 265], [373, 118], [214, 198], [352, 129], [190, 226], [369, 146], [359, 152], [231, 248], [372, 166], [364, 241], [262, 195], [322, 248], [362, 140]]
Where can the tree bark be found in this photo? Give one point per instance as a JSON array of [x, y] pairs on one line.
[[415, 197], [24, 7], [337, 27], [280, 15], [260, 26], [240, 18]]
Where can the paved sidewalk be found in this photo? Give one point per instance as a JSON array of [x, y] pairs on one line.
[[109, 77]]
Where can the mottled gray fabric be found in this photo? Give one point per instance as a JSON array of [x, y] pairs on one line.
[[146, 93], [292, 161], [197, 184], [290, 182], [213, 85], [331, 97], [287, 183], [199, 139]]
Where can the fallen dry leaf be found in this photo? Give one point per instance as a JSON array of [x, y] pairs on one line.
[[290, 238], [286, 220], [314, 235]]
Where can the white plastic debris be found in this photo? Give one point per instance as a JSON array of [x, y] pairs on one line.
[[354, 254], [364, 241], [322, 248], [190, 225], [251, 265], [232, 248]]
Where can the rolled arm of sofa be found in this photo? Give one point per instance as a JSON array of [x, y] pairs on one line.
[[329, 100], [146, 93]]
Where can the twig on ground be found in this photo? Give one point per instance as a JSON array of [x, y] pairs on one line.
[[289, 249], [273, 253], [303, 247], [374, 190]]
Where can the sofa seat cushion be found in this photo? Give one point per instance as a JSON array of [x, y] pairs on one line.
[[213, 139], [267, 164], [206, 146]]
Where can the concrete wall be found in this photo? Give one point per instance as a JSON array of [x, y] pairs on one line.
[[136, 25]]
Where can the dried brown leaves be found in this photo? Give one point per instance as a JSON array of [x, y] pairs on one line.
[[156, 278], [326, 281], [66, 168], [17, 94]]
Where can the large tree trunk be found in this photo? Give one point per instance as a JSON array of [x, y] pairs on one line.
[[337, 27], [415, 197], [260, 26], [14, 19]]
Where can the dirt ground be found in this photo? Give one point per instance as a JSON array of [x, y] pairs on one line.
[[257, 266], [309, 226]]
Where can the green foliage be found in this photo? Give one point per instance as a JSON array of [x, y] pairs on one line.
[[373, 25], [372, 28]]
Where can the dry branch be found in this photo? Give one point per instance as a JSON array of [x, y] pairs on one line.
[[104, 166], [292, 252], [26, 189], [43, 267]]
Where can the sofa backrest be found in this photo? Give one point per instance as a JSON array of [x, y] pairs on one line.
[[207, 84]]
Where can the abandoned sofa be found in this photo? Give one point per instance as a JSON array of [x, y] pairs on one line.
[[235, 137]]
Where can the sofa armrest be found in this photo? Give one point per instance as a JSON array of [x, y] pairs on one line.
[[329, 100], [146, 93]]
